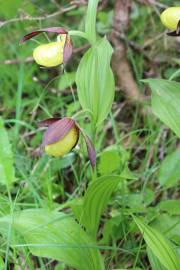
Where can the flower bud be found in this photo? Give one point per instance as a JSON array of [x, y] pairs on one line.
[[171, 17], [62, 136], [54, 53]]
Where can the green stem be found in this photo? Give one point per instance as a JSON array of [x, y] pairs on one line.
[[19, 100], [78, 34], [90, 24]]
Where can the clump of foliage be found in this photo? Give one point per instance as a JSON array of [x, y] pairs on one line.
[[101, 212]]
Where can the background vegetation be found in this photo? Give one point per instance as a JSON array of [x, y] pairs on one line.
[[132, 143]]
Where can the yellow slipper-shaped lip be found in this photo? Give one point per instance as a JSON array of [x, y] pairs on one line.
[[171, 19]]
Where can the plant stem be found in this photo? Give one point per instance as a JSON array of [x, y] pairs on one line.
[[90, 24], [78, 34]]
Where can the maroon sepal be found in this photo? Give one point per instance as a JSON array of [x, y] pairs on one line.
[[58, 130], [90, 149], [57, 30], [48, 122], [67, 50], [175, 33]]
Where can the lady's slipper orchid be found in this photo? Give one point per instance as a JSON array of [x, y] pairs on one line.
[[171, 19], [54, 53], [61, 137]]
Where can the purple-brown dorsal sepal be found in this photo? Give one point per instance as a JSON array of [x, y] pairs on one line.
[[48, 122], [90, 149], [58, 130], [175, 33], [67, 52], [57, 30]]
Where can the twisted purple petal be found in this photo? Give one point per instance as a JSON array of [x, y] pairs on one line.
[[57, 30]]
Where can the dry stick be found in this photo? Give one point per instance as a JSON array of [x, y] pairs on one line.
[[39, 18], [16, 61], [115, 114], [152, 2], [74, 4], [141, 49], [120, 63], [78, 3], [133, 45], [147, 2]]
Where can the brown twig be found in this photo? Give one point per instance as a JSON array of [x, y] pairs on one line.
[[147, 2], [78, 3], [39, 18], [16, 61], [74, 4], [120, 63], [152, 2], [115, 114]]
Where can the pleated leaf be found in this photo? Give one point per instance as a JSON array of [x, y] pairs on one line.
[[56, 236], [159, 245], [169, 172], [6, 157], [95, 80], [168, 225], [155, 264], [95, 200], [166, 102]]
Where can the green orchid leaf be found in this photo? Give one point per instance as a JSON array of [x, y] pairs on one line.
[[166, 102], [56, 236], [95, 80]]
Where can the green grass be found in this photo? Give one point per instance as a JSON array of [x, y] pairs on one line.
[[140, 140]]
